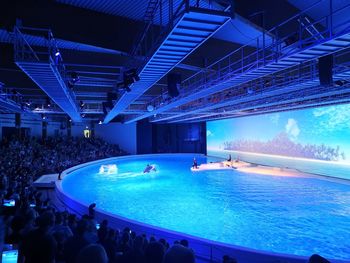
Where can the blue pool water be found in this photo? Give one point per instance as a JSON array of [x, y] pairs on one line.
[[294, 215]]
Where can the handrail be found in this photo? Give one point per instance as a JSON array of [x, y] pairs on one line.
[[51, 56], [18, 36], [260, 56], [277, 81], [157, 29]]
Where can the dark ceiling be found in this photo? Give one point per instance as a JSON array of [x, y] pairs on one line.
[[97, 37]]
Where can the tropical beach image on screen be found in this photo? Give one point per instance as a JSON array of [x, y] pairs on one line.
[[281, 144], [297, 139]]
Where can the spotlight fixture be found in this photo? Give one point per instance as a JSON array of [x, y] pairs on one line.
[[82, 104], [74, 78], [150, 107], [70, 120], [48, 102], [43, 116], [100, 122], [129, 77], [83, 115], [57, 53], [341, 82]]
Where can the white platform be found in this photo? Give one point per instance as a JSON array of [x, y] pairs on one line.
[[46, 181]]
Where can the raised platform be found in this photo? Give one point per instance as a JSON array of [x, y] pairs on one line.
[[46, 181]]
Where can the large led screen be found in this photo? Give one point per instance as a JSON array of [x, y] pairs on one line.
[[312, 140]]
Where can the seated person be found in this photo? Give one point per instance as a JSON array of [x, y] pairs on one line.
[[149, 168], [195, 164]]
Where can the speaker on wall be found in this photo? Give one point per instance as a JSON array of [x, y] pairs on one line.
[[174, 82], [325, 70]]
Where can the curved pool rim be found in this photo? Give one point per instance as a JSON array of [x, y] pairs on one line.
[[204, 248]]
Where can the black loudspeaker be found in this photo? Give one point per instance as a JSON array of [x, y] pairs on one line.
[[174, 82], [325, 70]]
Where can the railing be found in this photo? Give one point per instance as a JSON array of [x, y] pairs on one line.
[[287, 38], [275, 82], [13, 97], [159, 21], [24, 52]]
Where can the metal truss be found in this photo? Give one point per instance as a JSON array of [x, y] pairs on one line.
[[187, 28], [46, 68], [295, 42]]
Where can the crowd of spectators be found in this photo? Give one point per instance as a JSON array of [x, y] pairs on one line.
[[42, 233]]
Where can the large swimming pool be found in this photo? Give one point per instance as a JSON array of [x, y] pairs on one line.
[[295, 215]]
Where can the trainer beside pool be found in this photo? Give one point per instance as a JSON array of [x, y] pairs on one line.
[[195, 164]]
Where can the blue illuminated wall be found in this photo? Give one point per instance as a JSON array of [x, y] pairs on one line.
[[312, 140]]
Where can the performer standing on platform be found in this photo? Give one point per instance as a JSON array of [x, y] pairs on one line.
[[195, 164]]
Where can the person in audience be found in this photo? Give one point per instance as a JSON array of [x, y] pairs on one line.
[[102, 232], [92, 210], [136, 253], [228, 259], [179, 253], [315, 258], [2, 236], [93, 253], [39, 245], [110, 244], [155, 252], [75, 243]]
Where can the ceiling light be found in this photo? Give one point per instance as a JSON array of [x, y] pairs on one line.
[[150, 107]]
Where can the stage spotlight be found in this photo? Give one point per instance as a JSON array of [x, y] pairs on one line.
[[150, 107], [250, 91], [129, 77], [341, 82], [57, 53], [83, 115], [100, 122], [43, 116], [48, 103], [82, 104], [75, 77]]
